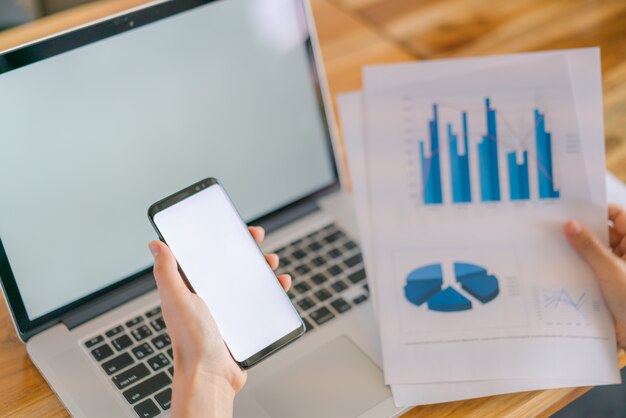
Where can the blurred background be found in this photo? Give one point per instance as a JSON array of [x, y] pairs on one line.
[[354, 33], [17, 12]]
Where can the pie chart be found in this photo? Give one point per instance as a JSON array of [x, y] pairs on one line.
[[426, 285]]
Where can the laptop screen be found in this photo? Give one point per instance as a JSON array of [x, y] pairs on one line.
[[91, 137]]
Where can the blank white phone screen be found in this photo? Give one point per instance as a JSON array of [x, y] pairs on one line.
[[228, 271]]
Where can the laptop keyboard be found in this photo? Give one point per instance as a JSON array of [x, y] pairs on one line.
[[136, 355], [328, 275]]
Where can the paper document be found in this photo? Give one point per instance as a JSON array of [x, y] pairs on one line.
[[464, 172], [424, 393]]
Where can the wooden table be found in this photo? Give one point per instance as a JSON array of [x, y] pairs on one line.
[[354, 33]]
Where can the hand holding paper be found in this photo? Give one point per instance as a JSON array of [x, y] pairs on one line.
[[608, 264], [460, 208]]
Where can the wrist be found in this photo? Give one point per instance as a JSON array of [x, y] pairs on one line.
[[201, 393]]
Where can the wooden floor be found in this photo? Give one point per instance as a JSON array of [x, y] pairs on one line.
[[358, 32]]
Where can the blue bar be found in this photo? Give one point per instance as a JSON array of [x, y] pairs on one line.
[[431, 164], [465, 161], [543, 142], [518, 177], [488, 158], [459, 166]]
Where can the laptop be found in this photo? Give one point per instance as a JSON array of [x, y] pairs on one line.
[[101, 121]]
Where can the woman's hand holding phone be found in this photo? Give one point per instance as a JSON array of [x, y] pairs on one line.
[[206, 377]]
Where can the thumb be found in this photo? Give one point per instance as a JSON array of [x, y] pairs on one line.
[[601, 260], [168, 279]]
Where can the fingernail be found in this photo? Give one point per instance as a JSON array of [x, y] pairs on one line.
[[154, 249], [573, 228]]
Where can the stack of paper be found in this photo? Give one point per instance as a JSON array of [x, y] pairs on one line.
[[463, 173]]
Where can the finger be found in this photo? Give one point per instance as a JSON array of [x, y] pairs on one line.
[[597, 255], [285, 281], [272, 260], [258, 233], [165, 270], [617, 215]]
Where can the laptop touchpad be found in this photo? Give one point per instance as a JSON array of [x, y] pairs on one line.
[[337, 380]]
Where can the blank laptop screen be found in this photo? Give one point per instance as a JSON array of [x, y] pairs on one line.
[[91, 137]]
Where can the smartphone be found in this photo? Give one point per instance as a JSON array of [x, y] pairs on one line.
[[220, 261]]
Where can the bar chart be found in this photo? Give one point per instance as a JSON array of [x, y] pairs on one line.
[[490, 150]]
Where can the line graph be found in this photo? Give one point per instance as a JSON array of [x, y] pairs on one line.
[[557, 299]]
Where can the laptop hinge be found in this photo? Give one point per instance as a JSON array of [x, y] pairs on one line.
[[289, 215], [109, 301]]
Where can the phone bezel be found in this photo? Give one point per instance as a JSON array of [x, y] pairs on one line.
[[186, 193]]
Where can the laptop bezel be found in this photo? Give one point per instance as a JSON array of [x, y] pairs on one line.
[[22, 56]]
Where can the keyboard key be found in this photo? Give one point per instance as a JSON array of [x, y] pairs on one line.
[[315, 246], [354, 260], [158, 362], [170, 353], [122, 342], [302, 287], [134, 321], [357, 276], [147, 409], [117, 363], [291, 294], [306, 303], [94, 341], [284, 262], [161, 341], [309, 326], [349, 245], [323, 294], [334, 253], [147, 387], [299, 254], [329, 227], [171, 371], [319, 261], [153, 312], [340, 305], [303, 269], [334, 236], [335, 270], [164, 398], [158, 324], [113, 332], [102, 352], [143, 350], [141, 332], [339, 286], [318, 278], [130, 376], [322, 315], [366, 287], [359, 299]]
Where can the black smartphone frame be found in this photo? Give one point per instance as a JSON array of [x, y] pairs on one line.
[[185, 193]]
